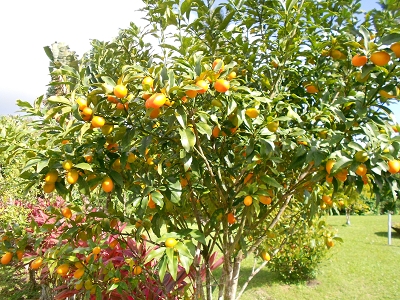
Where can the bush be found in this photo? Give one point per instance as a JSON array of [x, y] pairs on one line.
[[299, 258]]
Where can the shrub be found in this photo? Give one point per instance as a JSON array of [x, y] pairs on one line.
[[299, 258]]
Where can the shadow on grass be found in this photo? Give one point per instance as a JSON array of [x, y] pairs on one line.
[[395, 235], [13, 285]]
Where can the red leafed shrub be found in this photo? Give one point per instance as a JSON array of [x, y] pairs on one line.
[[91, 254]]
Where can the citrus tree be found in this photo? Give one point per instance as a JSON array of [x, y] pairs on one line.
[[221, 135]]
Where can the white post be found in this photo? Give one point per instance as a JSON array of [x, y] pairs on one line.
[[389, 228]]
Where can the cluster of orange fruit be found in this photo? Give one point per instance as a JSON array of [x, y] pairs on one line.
[[378, 58]]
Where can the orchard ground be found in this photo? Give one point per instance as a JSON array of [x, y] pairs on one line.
[[360, 268]]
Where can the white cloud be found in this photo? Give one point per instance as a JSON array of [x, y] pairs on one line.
[[27, 26]]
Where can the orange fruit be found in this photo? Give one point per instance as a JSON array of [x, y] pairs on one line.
[[48, 187], [216, 62], [231, 218], [131, 157], [151, 203], [113, 147], [146, 96], [6, 258], [342, 175], [137, 270], [86, 114], [252, 112], [329, 165], [327, 199], [361, 156], [191, 93], [248, 178], [64, 142], [72, 176], [51, 177], [79, 265], [98, 122], [89, 158], [222, 85], [62, 269], [265, 199], [231, 75], [248, 200], [273, 126], [328, 179], [215, 131], [170, 242], [82, 103], [107, 185], [120, 91], [20, 254], [122, 106], [112, 99], [265, 256], [330, 243], [113, 244], [114, 223], [361, 170], [359, 60], [156, 101], [37, 263], [67, 165], [203, 85], [154, 113], [380, 58], [66, 212], [148, 82], [312, 89], [395, 47], [96, 250], [336, 54], [79, 273], [393, 166]]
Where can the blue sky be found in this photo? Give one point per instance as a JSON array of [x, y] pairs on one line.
[[39, 23]]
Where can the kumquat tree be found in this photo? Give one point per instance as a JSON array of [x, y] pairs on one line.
[[228, 136]]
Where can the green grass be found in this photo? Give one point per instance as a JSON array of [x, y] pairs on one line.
[[363, 267], [13, 285]]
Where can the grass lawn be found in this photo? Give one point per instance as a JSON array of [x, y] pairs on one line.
[[363, 267]]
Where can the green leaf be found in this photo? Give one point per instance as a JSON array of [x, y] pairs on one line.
[[226, 21], [49, 53], [157, 198], [181, 116], [172, 262], [85, 127], [175, 191], [155, 254], [270, 181], [98, 214], [59, 99], [42, 164], [109, 81], [355, 146], [188, 139], [204, 128], [117, 177], [365, 33], [198, 236], [390, 38], [163, 267], [183, 250], [84, 166], [341, 163]]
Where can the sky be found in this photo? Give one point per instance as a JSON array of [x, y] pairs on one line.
[[23, 62]]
